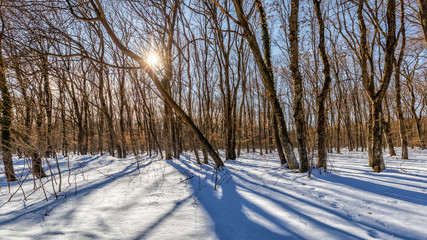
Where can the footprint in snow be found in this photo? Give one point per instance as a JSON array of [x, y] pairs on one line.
[[335, 205], [320, 196], [372, 233]]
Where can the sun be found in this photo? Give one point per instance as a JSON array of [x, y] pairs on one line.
[[153, 59]]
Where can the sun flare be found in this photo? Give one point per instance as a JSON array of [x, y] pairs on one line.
[[153, 59]]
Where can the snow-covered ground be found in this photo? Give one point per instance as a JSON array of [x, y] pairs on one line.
[[107, 198]]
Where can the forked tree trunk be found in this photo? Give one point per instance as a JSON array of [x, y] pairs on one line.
[[376, 97]]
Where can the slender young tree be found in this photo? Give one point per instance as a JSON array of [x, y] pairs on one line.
[[398, 87]]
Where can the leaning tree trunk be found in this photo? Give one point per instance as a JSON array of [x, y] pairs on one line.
[[164, 94], [265, 69]]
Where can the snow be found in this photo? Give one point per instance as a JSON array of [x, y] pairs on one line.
[[251, 198]]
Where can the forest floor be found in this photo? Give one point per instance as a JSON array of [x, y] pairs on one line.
[[103, 197]]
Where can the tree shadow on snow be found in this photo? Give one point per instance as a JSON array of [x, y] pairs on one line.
[[228, 209], [41, 207], [379, 189], [22, 170]]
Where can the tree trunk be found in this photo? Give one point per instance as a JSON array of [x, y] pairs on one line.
[[423, 16], [265, 69], [398, 88], [6, 120], [63, 120], [298, 88], [167, 131], [47, 105], [376, 97], [377, 138], [389, 138], [101, 132], [122, 122], [321, 98]]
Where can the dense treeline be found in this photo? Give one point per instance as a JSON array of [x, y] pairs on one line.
[[164, 77]]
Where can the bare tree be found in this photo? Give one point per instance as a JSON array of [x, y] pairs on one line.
[[423, 16], [376, 97], [398, 88], [298, 87], [100, 16], [265, 69], [6, 109], [321, 98]]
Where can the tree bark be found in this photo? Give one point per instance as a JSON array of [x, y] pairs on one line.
[[321, 98], [387, 132], [47, 104], [376, 97], [398, 87], [298, 88], [265, 69], [6, 119], [423, 16]]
